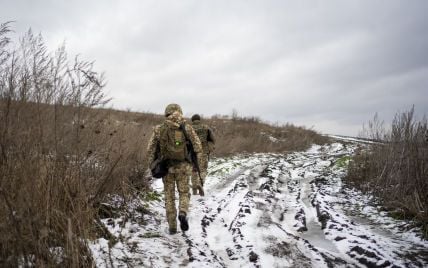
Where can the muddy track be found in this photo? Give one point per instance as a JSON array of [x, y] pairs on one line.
[[282, 211], [259, 199], [271, 210]]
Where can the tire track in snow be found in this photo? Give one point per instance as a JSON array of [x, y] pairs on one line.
[[295, 194], [270, 210]]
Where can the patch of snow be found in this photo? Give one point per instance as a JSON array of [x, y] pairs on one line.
[[266, 210]]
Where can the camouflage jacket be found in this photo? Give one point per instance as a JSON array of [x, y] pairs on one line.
[[175, 120], [205, 135]]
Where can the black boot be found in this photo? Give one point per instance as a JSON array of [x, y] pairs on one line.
[[184, 225]]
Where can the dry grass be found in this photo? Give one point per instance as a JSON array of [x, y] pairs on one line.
[[396, 170], [233, 135], [241, 134], [59, 157]]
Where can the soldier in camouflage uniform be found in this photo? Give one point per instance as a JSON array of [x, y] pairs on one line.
[[207, 139], [180, 170]]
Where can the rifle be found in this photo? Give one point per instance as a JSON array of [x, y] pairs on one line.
[[192, 156]]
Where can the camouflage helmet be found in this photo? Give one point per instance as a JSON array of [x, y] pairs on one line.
[[196, 117], [171, 108]]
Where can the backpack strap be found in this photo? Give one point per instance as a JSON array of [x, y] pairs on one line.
[[186, 137]]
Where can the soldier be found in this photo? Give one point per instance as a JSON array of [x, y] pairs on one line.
[[206, 137], [168, 143]]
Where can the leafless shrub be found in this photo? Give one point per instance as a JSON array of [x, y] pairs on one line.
[[59, 157], [374, 130], [396, 170], [4, 42]]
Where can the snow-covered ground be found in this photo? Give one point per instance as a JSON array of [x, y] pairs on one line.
[[267, 210]]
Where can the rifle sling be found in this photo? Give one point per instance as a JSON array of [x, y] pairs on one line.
[[192, 150]]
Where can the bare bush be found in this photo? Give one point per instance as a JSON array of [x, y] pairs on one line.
[[59, 157], [374, 130], [396, 169]]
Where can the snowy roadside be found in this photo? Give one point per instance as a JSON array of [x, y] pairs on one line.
[[266, 210]]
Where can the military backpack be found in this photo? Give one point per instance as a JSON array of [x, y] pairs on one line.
[[172, 143], [202, 133]]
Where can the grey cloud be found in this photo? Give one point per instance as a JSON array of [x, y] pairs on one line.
[[330, 65]]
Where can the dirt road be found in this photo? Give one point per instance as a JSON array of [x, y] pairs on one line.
[[269, 210]]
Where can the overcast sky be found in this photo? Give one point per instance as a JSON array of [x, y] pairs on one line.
[[330, 65]]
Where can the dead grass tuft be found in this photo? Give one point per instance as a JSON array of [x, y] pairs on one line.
[[396, 169]]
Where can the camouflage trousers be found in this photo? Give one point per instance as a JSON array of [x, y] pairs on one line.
[[178, 175], [196, 182]]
